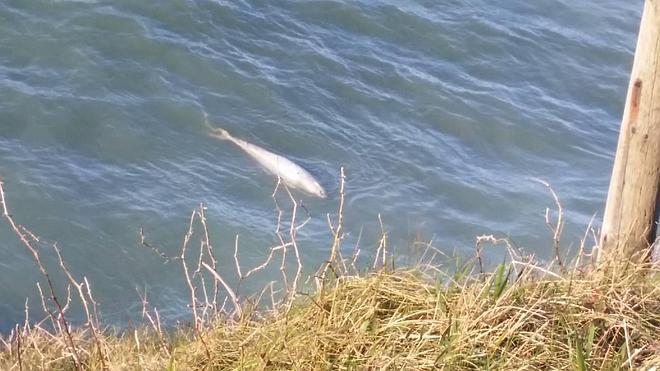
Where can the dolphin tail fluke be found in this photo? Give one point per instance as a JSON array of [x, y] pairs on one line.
[[206, 121], [219, 133]]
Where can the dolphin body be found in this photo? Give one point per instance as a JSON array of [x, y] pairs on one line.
[[290, 173]]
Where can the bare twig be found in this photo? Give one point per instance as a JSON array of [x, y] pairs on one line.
[[582, 253], [558, 225], [356, 251], [382, 244], [26, 239], [278, 230], [26, 323], [91, 322], [238, 265], [266, 262], [286, 242], [230, 292], [19, 351], [513, 255], [143, 242], [91, 299], [208, 247], [293, 230], [477, 248], [337, 231], [193, 297], [199, 274], [49, 314], [155, 323]]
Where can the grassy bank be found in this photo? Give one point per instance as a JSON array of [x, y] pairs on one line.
[[519, 317], [587, 316], [408, 320]]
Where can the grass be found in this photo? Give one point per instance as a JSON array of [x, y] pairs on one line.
[[601, 319], [411, 320], [592, 315]]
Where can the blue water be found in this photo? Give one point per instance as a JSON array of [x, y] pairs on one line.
[[443, 113]]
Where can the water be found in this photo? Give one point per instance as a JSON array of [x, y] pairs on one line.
[[441, 112]]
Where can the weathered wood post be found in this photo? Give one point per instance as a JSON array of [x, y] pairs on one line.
[[629, 219]]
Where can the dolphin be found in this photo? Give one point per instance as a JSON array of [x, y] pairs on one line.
[[289, 172]]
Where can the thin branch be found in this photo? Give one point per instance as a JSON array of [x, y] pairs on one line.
[[191, 286], [382, 244], [91, 322], [558, 225], [143, 242], [337, 231], [155, 323], [24, 237], [232, 294]]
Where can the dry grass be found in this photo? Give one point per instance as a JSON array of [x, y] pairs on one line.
[[587, 316], [407, 319], [415, 320]]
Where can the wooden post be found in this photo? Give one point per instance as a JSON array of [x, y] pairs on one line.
[[629, 220]]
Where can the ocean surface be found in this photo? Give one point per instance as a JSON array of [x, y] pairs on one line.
[[444, 115]]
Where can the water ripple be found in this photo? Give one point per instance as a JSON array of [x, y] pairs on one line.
[[442, 113]]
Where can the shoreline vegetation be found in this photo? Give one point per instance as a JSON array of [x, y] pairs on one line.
[[589, 313]]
